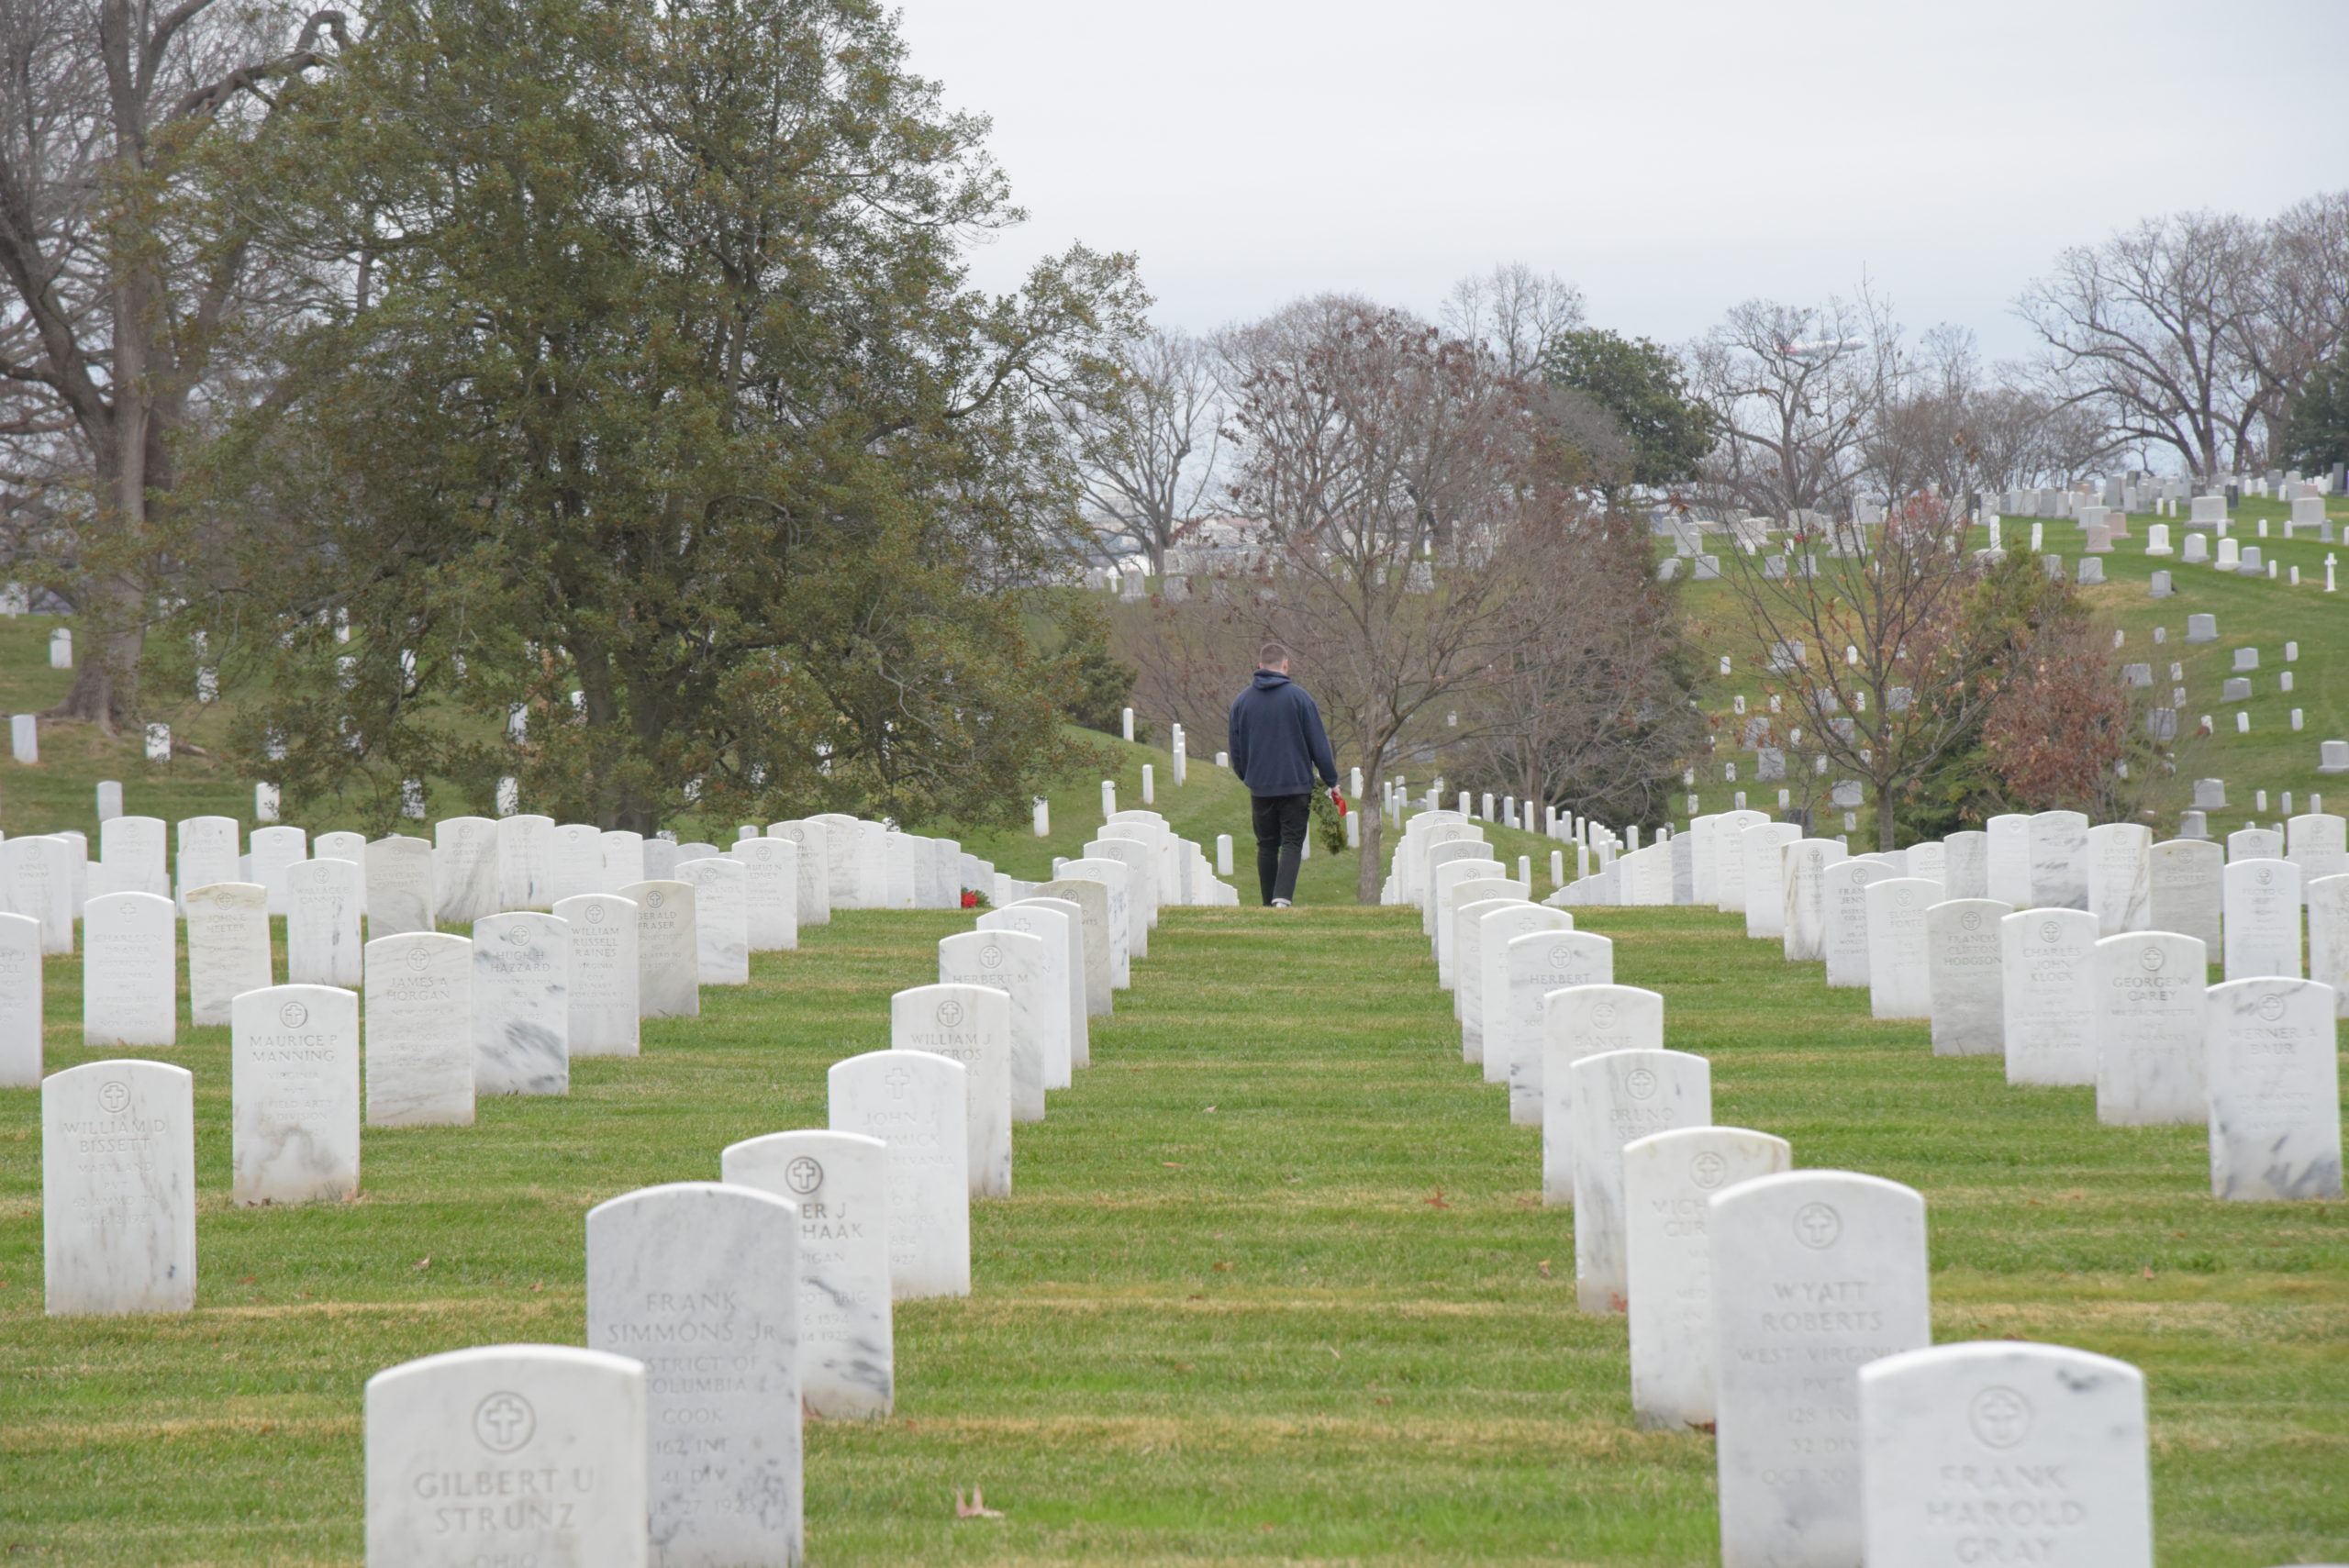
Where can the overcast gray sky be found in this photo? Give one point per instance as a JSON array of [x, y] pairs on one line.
[[1672, 159]]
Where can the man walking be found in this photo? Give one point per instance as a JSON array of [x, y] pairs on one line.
[[1277, 745]]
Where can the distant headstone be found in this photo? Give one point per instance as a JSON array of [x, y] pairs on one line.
[[1843, 902], [294, 1071], [972, 1025], [556, 1435], [1092, 900], [771, 889], [2261, 899], [1965, 867], [228, 947], [1578, 1022], [840, 1183], [916, 1103], [1998, 1451], [1057, 922], [419, 1030], [2184, 885], [521, 1004], [2059, 860], [467, 863], [1815, 1274], [1965, 971], [721, 918], [322, 933], [2119, 876], [2201, 629], [20, 1002], [1804, 925], [2149, 1038], [2009, 874], [1900, 953], [1618, 1097], [117, 1201], [605, 974], [525, 852], [399, 887], [668, 948], [677, 1275]]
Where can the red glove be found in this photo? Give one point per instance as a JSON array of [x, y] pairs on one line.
[[1341, 800]]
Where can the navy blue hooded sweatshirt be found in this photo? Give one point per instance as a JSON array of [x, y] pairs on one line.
[[1277, 741]]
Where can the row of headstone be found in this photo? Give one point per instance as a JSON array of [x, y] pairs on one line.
[[791, 1261], [1787, 1311]]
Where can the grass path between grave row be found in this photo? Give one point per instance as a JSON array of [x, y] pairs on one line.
[[1274, 1286]]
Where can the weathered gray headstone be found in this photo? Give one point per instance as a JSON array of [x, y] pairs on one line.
[[1619, 1097], [918, 1103], [1815, 1274], [2275, 1085], [840, 1183], [521, 1004], [504, 1456], [700, 1282], [294, 1071], [1669, 1179], [117, 1187], [420, 1049], [2150, 1030], [972, 1025]]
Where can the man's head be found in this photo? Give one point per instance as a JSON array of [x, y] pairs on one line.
[[1272, 656]]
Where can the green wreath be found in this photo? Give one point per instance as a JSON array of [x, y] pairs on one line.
[[1329, 820]]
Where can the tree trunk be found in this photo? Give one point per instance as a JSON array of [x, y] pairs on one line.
[[1884, 828], [1367, 875]]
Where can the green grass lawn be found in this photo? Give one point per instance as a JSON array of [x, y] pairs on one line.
[[1274, 1285]]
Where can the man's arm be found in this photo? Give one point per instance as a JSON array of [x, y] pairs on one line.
[[1317, 743], [1236, 739]]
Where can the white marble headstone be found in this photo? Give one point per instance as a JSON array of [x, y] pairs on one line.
[[274, 850], [2007, 860], [1668, 1180], [503, 1456], [2150, 1031], [1966, 866], [1899, 954], [1092, 900], [2047, 992], [2004, 1453], [420, 1049], [2263, 919], [1056, 921], [700, 1282], [2059, 860], [1729, 859], [2328, 899], [526, 855], [2185, 889], [918, 1104], [668, 948], [129, 971], [468, 867], [132, 848], [293, 1074], [1014, 964], [1803, 920], [721, 918], [207, 851], [604, 974], [20, 1002], [228, 947], [1815, 1274], [2121, 872], [1966, 976], [322, 932], [2275, 1084], [1763, 848], [810, 840], [521, 1004], [623, 859], [118, 1175], [1620, 1097], [1580, 1021], [574, 861], [1537, 964], [971, 1024], [1843, 906], [770, 891], [400, 895], [840, 1183]]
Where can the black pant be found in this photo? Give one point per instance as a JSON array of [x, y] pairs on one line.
[[1280, 841]]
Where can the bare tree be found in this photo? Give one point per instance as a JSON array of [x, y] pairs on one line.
[[2152, 325], [118, 279], [1796, 393], [2298, 317], [1513, 314], [1896, 673], [1149, 443]]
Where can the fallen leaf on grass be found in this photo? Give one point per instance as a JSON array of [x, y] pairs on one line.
[[1223, 1268], [2149, 1270], [977, 1508], [1544, 1266], [1529, 1203], [422, 1264], [1437, 1201], [1174, 1164]]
